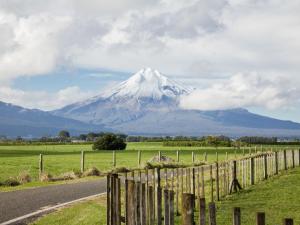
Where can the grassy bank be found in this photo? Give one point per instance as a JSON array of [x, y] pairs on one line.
[[279, 197]]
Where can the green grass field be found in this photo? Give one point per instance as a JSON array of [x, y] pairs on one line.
[[63, 158], [278, 197]]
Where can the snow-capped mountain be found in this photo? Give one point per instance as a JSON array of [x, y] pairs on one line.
[[148, 104], [146, 91]]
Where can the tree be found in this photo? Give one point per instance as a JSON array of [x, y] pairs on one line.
[[109, 142], [64, 134]]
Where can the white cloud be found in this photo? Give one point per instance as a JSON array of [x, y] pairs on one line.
[[243, 90], [203, 39], [44, 100]]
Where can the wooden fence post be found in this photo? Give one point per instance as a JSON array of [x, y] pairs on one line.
[[177, 156], [114, 159], [193, 157], [202, 210], [235, 185], [159, 198], [293, 158], [212, 213], [265, 167], [138, 202], [166, 208], [151, 205], [139, 158], [217, 182], [108, 199], [284, 159], [171, 209], [252, 171], [288, 221], [236, 216], [159, 156], [130, 209], [187, 209], [211, 183], [143, 205], [276, 163], [82, 161], [41, 165], [260, 218]]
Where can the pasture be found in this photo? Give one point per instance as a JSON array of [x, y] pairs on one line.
[[63, 158]]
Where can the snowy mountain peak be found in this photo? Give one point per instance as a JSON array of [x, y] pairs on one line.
[[147, 83]]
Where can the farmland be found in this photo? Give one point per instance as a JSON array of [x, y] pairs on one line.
[[63, 158]]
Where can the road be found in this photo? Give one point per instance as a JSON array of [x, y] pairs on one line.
[[19, 203]]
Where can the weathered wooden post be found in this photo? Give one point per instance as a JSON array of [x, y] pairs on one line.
[[108, 199], [193, 157], [171, 207], [177, 155], [212, 213], [114, 159], [260, 218], [252, 171], [288, 221], [293, 158], [202, 210], [284, 159], [159, 198], [236, 216], [138, 202], [167, 207], [41, 165], [130, 209], [276, 163], [205, 156], [159, 156], [82, 161], [187, 209], [265, 167], [235, 185], [139, 158], [211, 183], [217, 182], [143, 205], [151, 205]]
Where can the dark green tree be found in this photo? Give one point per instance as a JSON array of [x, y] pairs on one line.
[[109, 142], [64, 134]]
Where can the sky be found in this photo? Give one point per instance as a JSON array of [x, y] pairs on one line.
[[236, 53]]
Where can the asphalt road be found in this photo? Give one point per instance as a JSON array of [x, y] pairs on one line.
[[18, 203]]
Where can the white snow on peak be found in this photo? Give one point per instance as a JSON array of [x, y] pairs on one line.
[[147, 83]]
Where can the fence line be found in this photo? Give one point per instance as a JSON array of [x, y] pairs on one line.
[[159, 195]]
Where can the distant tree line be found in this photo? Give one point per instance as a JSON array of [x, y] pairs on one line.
[[259, 140], [216, 141]]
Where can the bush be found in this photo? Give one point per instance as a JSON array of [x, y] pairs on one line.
[[11, 182], [46, 177], [24, 177], [109, 142], [91, 172]]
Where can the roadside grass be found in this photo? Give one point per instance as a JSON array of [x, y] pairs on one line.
[[278, 197], [90, 212]]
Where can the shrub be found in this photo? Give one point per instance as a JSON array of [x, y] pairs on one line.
[[109, 142], [24, 177], [11, 182], [91, 172], [46, 177], [68, 176]]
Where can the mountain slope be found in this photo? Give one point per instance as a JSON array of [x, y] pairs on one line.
[[19, 121], [148, 103]]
